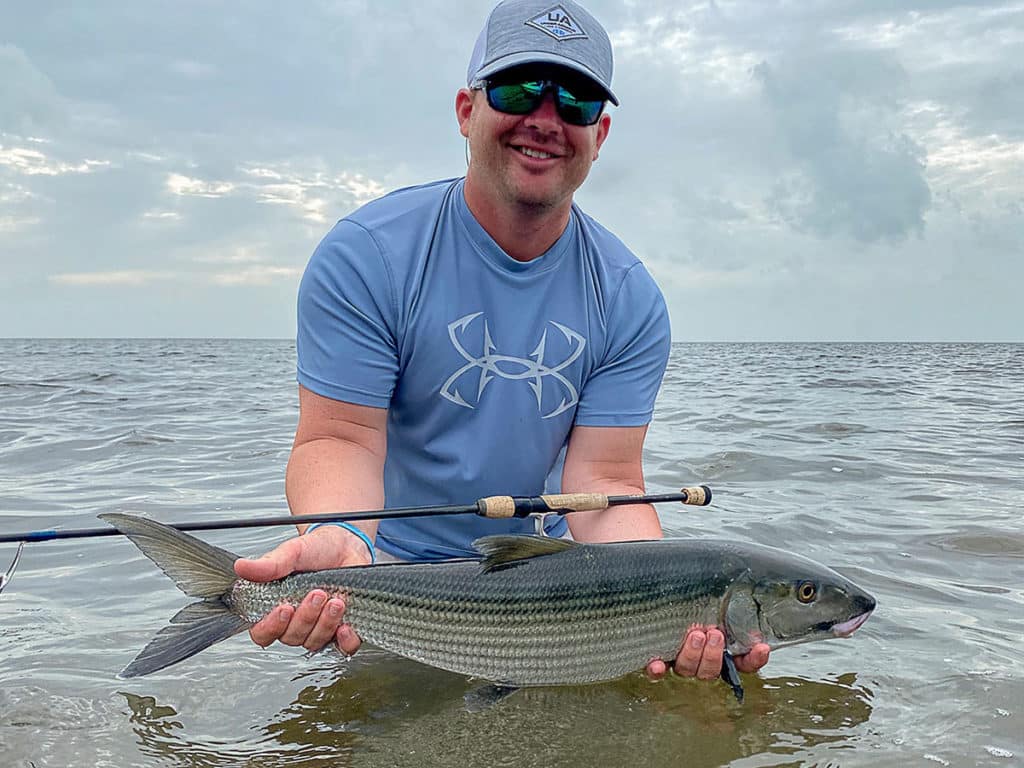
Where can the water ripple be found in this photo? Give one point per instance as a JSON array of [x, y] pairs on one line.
[[899, 464]]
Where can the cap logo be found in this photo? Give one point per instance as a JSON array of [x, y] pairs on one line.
[[558, 23]]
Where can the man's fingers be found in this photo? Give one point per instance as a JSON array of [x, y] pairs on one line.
[[656, 669], [271, 626], [754, 660], [305, 618], [326, 625], [347, 639], [710, 665], [317, 620], [690, 654], [701, 654], [276, 564], [315, 623]]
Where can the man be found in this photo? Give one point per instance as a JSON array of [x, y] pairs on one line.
[[464, 338]]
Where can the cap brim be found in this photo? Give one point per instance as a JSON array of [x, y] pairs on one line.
[[507, 62]]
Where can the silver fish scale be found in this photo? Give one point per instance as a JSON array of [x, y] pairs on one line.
[[584, 615]]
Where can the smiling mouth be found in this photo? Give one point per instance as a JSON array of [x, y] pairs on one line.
[[534, 153]]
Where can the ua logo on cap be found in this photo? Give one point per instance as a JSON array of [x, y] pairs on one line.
[[558, 23]]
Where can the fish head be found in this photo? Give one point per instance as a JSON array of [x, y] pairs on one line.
[[787, 600]]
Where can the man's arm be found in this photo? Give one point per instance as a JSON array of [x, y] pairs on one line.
[[609, 460], [336, 464]]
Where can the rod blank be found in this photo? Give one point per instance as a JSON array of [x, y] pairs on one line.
[[491, 507]]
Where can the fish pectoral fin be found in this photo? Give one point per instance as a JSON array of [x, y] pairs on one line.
[[500, 551], [732, 676], [486, 696], [193, 629]]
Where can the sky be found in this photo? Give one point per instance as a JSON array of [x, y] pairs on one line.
[[804, 170]]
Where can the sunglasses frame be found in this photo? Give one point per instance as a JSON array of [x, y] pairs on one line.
[[556, 89]]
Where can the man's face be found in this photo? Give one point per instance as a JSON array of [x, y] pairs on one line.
[[536, 160]]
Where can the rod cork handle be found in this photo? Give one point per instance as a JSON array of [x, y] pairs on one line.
[[576, 502], [698, 495], [512, 506], [496, 506]]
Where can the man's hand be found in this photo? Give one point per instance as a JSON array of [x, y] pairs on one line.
[[318, 619], [610, 460], [701, 656]]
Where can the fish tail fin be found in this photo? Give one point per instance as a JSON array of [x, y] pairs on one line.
[[193, 629], [200, 570]]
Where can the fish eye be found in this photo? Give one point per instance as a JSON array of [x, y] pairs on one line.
[[806, 591]]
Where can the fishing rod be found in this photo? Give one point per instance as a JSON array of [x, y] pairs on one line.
[[493, 507]]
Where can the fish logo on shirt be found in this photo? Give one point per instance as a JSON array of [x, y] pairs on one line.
[[532, 370]]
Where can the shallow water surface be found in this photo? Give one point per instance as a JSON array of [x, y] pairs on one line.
[[901, 465]]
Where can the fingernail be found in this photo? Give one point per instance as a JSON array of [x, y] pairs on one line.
[[334, 609], [284, 616], [319, 600], [697, 641], [715, 640]]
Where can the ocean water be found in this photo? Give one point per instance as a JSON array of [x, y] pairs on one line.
[[902, 465]]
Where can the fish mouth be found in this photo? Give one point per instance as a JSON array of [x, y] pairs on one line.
[[847, 628]]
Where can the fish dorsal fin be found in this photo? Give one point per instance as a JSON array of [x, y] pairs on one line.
[[501, 551]]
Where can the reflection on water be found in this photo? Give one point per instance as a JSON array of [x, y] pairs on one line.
[[985, 545], [394, 712], [165, 740]]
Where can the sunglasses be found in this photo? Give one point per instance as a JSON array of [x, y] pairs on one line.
[[522, 98]]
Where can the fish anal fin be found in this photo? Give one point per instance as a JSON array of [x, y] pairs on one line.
[[500, 551]]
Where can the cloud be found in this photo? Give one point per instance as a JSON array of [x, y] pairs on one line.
[[982, 171], [191, 68], [28, 98], [259, 275], [12, 193], [33, 162], [179, 184], [188, 159], [11, 224], [856, 172], [164, 216], [314, 194], [690, 41], [311, 194], [252, 254], [249, 276], [129, 277]]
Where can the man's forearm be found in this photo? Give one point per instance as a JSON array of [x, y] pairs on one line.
[[621, 523], [608, 460], [331, 475]]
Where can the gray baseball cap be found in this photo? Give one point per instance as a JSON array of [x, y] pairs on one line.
[[543, 32]]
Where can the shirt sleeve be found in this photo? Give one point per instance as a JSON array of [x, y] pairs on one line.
[[621, 390], [346, 344]]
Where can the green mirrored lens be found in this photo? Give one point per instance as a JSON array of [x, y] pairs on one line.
[[523, 98], [517, 98], [577, 111]]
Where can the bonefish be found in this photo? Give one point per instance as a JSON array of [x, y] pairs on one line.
[[531, 611]]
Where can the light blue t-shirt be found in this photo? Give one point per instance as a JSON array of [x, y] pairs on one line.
[[483, 362]]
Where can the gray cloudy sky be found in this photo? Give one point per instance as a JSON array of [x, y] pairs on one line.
[[796, 170]]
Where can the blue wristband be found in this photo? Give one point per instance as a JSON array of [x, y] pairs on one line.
[[352, 529]]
